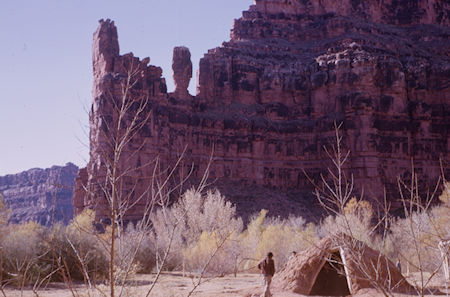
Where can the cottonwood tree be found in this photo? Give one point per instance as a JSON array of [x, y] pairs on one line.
[[416, 236], [199, 230]]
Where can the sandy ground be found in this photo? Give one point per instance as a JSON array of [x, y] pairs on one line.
[[174, 285], [169, 285]]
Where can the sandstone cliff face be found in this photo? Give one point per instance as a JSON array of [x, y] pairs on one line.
[[394, 12], [268, 99], [39, 194]]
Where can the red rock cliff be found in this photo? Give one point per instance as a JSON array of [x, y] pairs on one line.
[[267, 100]]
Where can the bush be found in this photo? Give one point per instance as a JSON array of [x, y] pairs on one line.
[[186, 226], [279, 236], [136, 249], [22, 251], [212, 254], [79, 248], [355, 221], [416, 238], [167, 236], [4, 213]]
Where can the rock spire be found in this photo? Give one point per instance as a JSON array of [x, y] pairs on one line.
[[182, 70]]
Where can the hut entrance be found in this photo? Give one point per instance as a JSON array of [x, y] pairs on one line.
[[331, 280]]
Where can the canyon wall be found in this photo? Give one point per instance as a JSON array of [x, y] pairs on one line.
[[40, 195], [268, 98]]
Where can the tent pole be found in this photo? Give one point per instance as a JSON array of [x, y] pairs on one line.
[[346, 269]]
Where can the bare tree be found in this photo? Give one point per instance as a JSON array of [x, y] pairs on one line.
[[125, 190], [335, 194], [419, 232]]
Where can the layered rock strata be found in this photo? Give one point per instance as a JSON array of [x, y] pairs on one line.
[[267, 101], [40, 195]]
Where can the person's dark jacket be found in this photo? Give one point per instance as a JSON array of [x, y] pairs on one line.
[[267, 266]]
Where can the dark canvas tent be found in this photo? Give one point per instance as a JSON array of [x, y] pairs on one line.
[[337, 267]]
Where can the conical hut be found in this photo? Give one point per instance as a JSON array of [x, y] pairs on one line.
[[339, 266]]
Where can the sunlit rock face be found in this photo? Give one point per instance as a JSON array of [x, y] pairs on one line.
[[268, 98], [40, 195]]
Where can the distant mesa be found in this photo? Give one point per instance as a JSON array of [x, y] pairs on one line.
[[268, 98]]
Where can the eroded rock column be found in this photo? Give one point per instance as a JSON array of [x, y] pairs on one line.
[[182, 71]]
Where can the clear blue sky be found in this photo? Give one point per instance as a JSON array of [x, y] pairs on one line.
[[46, 72]]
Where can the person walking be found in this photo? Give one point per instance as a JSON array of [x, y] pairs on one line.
[[267, 267]]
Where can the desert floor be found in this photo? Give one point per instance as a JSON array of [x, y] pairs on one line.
[[174, 284]]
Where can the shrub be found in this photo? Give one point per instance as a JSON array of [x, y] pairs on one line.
[[440, 214], [4, 213], [182, 226], [79, 248], [355, 221], [167, 237], [212, 254], [416, 238], [4, 216], [445, 195], [22, 251], [136, 250], [280, 236], [206, 213]]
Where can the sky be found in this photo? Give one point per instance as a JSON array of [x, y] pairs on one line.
[[46, 65]]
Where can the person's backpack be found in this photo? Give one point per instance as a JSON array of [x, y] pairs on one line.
[[262, 265]]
